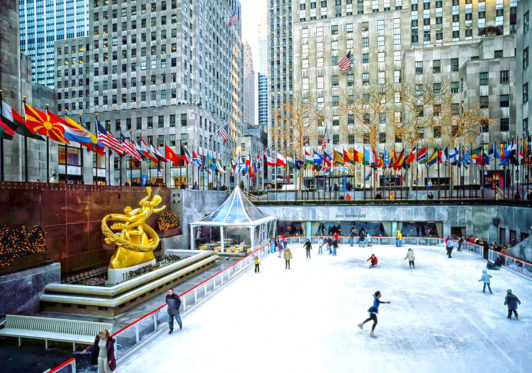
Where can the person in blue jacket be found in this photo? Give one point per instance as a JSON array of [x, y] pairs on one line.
[[511, 301], [373, 311], [486, 278]]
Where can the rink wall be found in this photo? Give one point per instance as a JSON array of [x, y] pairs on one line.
[[477, 219]]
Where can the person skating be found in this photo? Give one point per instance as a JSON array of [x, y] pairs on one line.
[[335, 246], [486, 278], [511, 301], [399, 239], [449, 246], [257, 268], [330, 244], [410, 256], [373, 311], [308, 247], [321, 242], [367, 240], [174, 302], [287, 256], [373, 260]]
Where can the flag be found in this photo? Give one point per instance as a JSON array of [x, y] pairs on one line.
[[170, 155], [210, 163], [369, 176], [73, 133], [476, 155], [318, 159], [185, 154], [281, 161], [324, 140], [345, 63], [146, 151], [444, 156], [196, 160], [93, 144], [7, 125], [385, 160], [393, 158], [338, 157], [422, 155], [433, 158], [454, 155], [270, 161], [367, 156], [358, 157], [400, 160], [308, 158], [108, 139], [219, 167], [41, 123], [138, 148], [348, 157], [14, 121], [158, 155], [129, 148], [412, 156], [224, 132], [290, 161], [327, 159], [493, 151], [299, 163], [233, 19]]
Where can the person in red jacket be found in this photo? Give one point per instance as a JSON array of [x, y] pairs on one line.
[[373, 260], [336, 236]]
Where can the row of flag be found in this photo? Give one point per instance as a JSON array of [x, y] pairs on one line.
[[507, 154]]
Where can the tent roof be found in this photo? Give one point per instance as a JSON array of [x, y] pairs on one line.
[[236, 210]]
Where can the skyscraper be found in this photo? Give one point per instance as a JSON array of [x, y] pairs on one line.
[[42, 22], [262, 77], [249, 85]]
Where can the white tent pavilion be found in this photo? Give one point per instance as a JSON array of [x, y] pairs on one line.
[[237, 213]]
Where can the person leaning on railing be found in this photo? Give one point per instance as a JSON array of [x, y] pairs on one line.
[[103, 352]]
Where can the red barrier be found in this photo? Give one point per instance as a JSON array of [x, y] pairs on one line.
[[62, 365]]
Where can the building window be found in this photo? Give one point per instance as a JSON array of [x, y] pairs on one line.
[[455, 87], [350, 139], [525, 94], [336, 139], [419, 67], [436, 66], [365, 58], [505, 124], [334, 30], [526, 22], [454, 64], [525, 58], [335, 80], [484, 78], [505, 99], [498, 54], [484, 102], [334, 101], [505, 76]]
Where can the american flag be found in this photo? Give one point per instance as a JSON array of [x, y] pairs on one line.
[[233, 19], [345, 63], [224, 132], [324, 140], [108, 139], [129, 148]]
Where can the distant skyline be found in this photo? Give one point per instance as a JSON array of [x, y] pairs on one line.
[[252, 10]]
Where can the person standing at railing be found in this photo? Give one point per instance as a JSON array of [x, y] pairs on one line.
[[399, 239], [287, 258], [257, 269], [272, 244], [174, 303], [321, 242], [308, 247], [285, 241], [352, 236], [362, 239], [103, 352], [511, 301], [460, 242], [486, 278]]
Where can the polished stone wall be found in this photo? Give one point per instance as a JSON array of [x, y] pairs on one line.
[[71, 217], [20, 291]]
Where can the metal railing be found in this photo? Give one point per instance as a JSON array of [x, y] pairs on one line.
[[375, 240], [131, 336]]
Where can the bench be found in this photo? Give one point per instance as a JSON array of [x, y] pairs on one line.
[[52, 329]]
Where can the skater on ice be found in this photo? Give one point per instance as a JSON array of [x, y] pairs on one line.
[[399, 239], [373, 311], [321, 242], [410, 256], [486, 278], [511, 301], [257, 268], [373, 261], [308, 247], [287, 257], [174, 302], [449, 246]]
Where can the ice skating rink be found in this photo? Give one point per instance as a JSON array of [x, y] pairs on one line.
[[304, 320]]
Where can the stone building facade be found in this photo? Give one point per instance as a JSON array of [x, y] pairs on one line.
[[523, 73], [249, 85], [169, 72]]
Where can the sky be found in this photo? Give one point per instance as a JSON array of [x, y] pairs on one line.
[[251, 12]]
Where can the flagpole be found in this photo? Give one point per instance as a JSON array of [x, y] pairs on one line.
[[25, 145], [2, 144], [81, 150], [47, 155], [66, 156], [438, 162]]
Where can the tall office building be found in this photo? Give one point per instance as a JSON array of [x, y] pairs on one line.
[[262, 76], [169, 72], [393, 42], [42, 23], [249, 85], [280, 59], [523, 72]]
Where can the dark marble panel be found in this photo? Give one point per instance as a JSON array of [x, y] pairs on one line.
[[77, 238], [77, 207], [56, 241], [53, 207]]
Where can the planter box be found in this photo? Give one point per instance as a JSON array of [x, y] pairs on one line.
[[169, 232], [25, 262]]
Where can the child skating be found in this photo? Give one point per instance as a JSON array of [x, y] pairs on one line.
[[511, 301], [410, 256], [486, 278], [373, 261], [373, 311], [257, 269]]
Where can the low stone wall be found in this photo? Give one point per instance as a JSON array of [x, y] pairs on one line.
[[20, 292]]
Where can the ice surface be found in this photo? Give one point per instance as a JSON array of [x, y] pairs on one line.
[[304, 319]]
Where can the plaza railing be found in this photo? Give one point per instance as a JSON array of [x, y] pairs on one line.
[[131, 336]]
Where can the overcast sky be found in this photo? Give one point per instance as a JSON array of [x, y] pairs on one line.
[[251, 12]]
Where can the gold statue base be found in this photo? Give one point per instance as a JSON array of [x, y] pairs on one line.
[[118, 275]]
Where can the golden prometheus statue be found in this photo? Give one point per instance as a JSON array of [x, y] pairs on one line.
[[136, 240]]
